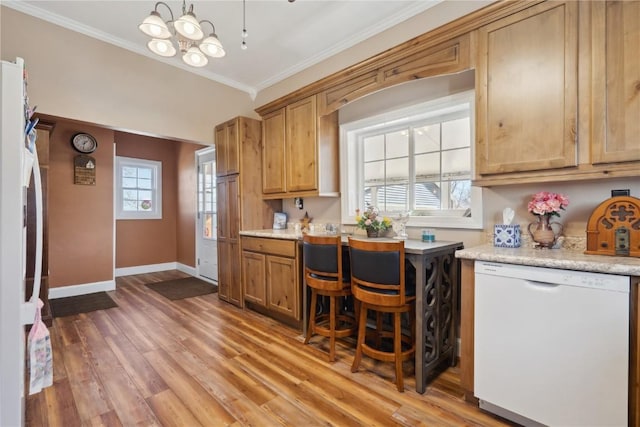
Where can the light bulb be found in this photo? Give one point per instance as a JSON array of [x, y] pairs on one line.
[[244, 45], [189, 28], [244, 33], [155, 30]]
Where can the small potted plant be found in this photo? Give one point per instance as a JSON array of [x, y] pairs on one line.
[[371, 221]]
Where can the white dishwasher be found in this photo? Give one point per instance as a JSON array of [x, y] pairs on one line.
[[551, 346]]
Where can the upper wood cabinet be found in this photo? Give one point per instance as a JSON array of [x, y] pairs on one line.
[[273, 148], [227, 141], [527, 90], [615, 41], [300, 152]]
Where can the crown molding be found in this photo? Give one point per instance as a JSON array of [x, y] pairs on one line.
[[371, 31]]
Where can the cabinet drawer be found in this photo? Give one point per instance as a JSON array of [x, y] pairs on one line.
[[280, 247]]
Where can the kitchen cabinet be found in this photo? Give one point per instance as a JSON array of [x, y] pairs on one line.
[[526, 88], [300, 152], [229, 288], [271, 270], [227, 140], [558, 95], [615, 83], [240, 204]]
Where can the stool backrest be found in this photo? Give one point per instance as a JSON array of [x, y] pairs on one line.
[[378, 272], [323, 261]]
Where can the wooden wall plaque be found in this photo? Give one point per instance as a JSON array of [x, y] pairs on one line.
[[84, 170]]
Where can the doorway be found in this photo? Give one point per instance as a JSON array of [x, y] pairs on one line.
[[206, 221]]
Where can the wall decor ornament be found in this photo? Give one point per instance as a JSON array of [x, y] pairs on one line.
[[84, 170]]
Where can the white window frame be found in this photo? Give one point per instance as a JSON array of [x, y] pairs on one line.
[[156, 166], [351, 168]]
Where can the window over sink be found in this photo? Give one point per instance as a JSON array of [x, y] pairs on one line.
[[416, 159]]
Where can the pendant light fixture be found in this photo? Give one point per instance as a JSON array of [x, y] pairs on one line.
[[244, 26], [185, 32]]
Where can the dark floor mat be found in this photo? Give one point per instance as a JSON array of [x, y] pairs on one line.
[[61, 307], [182, 288]]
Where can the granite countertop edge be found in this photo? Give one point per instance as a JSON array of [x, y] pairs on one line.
[[554, 258], [274, 234]]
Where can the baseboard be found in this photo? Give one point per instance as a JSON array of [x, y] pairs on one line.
[[206, 279], [83, 289], [186, 269], [143, 269]]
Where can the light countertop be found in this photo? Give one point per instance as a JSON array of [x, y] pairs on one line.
[[554, 258], [410, 245]]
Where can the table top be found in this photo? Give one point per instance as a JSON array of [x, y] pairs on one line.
[[411, 246]]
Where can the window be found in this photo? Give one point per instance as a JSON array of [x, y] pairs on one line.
[[417, 159], [207, 199], [138, 189]]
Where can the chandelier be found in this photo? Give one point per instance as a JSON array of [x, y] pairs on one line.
[[187, 33]]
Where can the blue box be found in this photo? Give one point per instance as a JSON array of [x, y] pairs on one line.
[[506, 236]]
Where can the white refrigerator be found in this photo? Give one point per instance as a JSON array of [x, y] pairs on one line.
[[17, 163]]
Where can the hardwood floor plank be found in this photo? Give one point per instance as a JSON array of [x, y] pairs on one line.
[[110, 419], [146, 379], [170, 410], [88, 393], [126, 399], [61, 407], [125, 321], [205, 408], [201, 361], [103, 322]]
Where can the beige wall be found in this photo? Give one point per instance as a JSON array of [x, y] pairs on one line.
[[80, 216], [75, 76], [153, 241]]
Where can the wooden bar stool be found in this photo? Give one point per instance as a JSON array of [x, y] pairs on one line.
[[378, 284], [324, 274]]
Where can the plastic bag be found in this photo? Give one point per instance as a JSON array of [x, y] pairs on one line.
[[40, 356]]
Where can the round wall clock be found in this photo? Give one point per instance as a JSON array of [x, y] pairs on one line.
[[84, 143]]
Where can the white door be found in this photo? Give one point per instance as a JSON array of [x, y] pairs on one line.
[[206, 231]]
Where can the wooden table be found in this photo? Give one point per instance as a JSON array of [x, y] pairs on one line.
[[437, 295]]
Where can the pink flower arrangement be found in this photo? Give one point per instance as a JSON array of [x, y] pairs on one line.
[[546, 203]]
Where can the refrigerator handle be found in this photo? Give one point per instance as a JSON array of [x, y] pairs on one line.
[[29, 308]]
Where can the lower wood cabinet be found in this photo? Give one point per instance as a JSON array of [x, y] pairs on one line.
[[271, 277]]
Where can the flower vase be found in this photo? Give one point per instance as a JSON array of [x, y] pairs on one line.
[[372, 232], [543, 233]]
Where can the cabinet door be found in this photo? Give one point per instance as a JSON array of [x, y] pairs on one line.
[[616, 81], [223, 215], [273, 160], [223, 273], [233, 147], [221, 150], [235, 284], [229, 285], [301, 145], [282, 286], [232, 207], [526, 89], [254, 277]]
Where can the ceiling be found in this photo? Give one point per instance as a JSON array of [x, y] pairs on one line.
[[283, 37]]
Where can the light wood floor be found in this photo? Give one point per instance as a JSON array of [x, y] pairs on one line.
[[200, 361]]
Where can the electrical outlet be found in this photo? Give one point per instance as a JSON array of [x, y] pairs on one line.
[[298, 202]]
